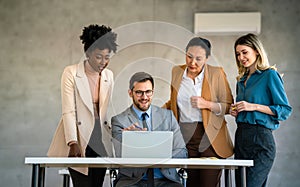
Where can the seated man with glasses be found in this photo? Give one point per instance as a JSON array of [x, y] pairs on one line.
[[142, 115]]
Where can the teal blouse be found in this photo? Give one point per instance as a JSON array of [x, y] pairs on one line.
[[265, 88]]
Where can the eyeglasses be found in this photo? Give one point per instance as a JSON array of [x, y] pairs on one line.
[[140, 93]]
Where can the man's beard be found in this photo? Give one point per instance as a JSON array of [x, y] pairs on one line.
[[141, 106]]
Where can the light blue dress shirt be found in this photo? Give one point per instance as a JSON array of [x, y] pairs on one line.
[[139, 114], [264, 87]]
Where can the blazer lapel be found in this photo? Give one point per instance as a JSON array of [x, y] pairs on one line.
[[177, 74], [206, 93], [133, 118], [177, 81], [178, 78], [83, 88], [156, 118]]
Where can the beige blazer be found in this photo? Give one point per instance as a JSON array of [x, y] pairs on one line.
[[74, 84], [215, 88]]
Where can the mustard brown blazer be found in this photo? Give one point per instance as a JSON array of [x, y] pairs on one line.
[[215, 88], [74, 84]]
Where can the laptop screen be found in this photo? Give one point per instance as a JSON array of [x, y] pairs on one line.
[[147, 144]]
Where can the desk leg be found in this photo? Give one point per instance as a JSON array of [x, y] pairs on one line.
[[41, 177], [243, 176], [35, 175], [228, 178], [38, 176]]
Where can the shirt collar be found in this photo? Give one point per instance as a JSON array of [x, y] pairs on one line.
[[258, 71], [199, 78], [139, 113], [246, 74]]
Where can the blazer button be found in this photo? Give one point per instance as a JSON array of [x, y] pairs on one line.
[[79, 123], [105, 122]]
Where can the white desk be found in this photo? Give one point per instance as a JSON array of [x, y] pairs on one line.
[[40, 163]]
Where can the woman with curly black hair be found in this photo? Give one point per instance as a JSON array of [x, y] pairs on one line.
[[86, 88]]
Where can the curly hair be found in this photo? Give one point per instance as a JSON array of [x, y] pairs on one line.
[[98, 37]]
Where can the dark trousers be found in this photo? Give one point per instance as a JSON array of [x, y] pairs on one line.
[[95, 177], [255, 142], [198, 145]]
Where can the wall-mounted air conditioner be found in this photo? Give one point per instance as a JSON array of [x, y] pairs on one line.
[[227, 23]]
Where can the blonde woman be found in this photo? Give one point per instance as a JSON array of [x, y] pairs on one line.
[[261, 102]]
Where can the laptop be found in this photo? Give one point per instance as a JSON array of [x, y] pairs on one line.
[[147, 144]]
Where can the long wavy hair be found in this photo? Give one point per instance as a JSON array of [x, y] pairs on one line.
[[262, 61]]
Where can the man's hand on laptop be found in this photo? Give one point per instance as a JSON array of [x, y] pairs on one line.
[[135, 127]]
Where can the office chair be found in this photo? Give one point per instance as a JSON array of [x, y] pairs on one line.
[[181, 172]]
